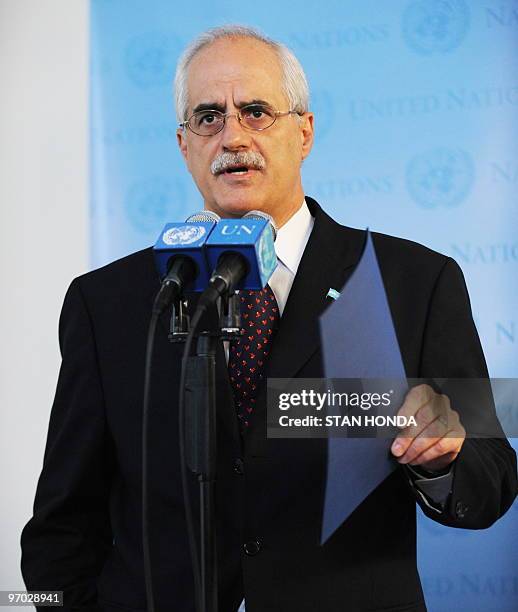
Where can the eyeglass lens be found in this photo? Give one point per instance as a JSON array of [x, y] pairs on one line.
[[254, 117]]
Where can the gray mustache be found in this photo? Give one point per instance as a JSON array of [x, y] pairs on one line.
[[250, 159]]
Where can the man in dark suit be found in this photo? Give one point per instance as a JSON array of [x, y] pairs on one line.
[[245, 131]]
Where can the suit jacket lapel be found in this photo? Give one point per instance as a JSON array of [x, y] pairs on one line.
[[329, 258]]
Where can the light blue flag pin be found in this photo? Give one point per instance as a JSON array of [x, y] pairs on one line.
[[333, 293], [359, 341]]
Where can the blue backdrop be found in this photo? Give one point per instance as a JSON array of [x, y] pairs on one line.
[[416, 135]]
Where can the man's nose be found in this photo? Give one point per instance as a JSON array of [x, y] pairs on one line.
[[234, 135]]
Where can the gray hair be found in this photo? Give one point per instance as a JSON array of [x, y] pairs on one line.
[[295, 84]]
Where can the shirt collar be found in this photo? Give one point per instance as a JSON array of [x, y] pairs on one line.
[[292, 238]]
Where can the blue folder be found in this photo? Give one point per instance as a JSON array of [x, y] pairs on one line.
[[359, 342]]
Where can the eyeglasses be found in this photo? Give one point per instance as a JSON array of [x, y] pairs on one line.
[[252, 117]]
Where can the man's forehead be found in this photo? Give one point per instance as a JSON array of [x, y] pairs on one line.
[[248, 49], [245, 69]]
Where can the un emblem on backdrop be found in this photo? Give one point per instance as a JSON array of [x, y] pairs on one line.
[[435, 26], [441, 177], [150, 58], [152, 202]]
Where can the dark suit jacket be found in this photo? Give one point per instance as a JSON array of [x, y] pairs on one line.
[[85, 535]]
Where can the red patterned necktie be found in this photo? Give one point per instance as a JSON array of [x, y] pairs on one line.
[[248, 353]]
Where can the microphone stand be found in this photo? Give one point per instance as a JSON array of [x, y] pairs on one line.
[[200, 431]]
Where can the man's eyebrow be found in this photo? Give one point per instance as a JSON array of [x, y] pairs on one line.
[[222, 107], [254, 101], [209, 106]]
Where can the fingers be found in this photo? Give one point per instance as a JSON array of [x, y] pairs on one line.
[[425, 406], [438, 456], [433, 442], [415, 399], [438, 435]]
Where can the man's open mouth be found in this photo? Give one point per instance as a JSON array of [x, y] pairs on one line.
[[236, 170]]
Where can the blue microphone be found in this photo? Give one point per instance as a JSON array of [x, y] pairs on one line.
[[242, 254], [180, 257]]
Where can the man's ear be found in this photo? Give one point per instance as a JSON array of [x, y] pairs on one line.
[[182, 144], [306, 133]]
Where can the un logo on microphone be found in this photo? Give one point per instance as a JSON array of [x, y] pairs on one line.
[[436, 26], [186, 234], [441, 177], [150, 58]]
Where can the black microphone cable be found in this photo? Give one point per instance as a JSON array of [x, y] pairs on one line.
[[148, 577], [195, 321]]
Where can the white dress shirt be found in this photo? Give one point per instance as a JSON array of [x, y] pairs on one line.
[[290, 243]]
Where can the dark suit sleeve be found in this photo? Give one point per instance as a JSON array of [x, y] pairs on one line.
[[64, 545], [484, 473]]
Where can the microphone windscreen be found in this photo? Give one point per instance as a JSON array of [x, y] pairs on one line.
[[259, 214], [203, 215]]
